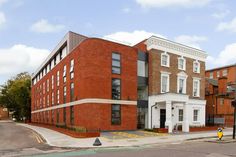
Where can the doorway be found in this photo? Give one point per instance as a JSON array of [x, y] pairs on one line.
[[162, 118]]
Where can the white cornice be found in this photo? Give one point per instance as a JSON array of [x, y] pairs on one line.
[[175, 48]]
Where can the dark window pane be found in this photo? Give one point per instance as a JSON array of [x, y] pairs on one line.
[[116, 56], [116, 114], [115, 88], [116, 63], [115, 70]]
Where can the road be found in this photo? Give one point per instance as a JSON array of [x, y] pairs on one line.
[[16, 140]]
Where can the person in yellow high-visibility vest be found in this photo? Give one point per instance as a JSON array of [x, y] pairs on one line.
[[220, 133]]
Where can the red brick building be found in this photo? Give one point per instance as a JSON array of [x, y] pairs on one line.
[[87, 82], [100, 84], [220, 91]]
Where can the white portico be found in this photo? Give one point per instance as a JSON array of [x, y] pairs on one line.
[[169, 110]]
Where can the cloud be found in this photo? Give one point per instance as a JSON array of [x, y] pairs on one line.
[[2, 1], [126, 10], [43, 26], [221, 15], [20, 58], [172, 3], [225, 57], [192, 41], [130, 38], [2, 19], [227, 26]]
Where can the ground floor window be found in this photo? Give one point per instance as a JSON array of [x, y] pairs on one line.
[[195, 115], [72, 115], [64, 115], [115, 114], [58, 113], [181, 115]]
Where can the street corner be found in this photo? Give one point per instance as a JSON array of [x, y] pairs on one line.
[[119, 135]]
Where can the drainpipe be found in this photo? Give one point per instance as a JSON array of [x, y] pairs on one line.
[[151, 112]]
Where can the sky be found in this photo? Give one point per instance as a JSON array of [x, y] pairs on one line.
[[30, 29]]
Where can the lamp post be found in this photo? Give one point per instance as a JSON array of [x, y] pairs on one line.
[[233, 103]]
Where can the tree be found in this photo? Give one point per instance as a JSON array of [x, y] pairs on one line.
[[15, 95]]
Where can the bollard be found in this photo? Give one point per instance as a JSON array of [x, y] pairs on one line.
[[97, 142], [220, 133]]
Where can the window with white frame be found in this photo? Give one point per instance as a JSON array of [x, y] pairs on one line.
[[196, 87], [211, 75], [72, 69], [164, 82], [52, 98], [47, 85], [181, 82], [195, 115], [225, 72], [64, 94], [196, 67], [218, 73], [52, 81], [64, 74], [58, 96], [165, 60], [181, 88], [58, 78], [181, 115], [64, 52], [181, 63]]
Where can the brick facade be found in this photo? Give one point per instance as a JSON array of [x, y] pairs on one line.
[[220, 91], [92, 79], [3, 113]]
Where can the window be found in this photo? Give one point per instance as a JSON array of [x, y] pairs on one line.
[[164, 82], [115, 114], [64, 74], [52, 98], [225, 72], [211, 75], [181, 63], [141, 69], [58, 58], [52, 116], [64, 52], [181, 115], [195, 115], [47, 85], [44, 88], [64, 114], [58, 78], [72, 95], [58, 114], [218, 73], [165, 60], [181, 85], [196, 87], [52, 82], [72, 115], [116, 89], [58, 96], [64, 95], [196, 67], [47, 100], [221, 101], [72, 69], [116, 63]]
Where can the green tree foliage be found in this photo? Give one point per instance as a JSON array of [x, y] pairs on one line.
[[15, 95]]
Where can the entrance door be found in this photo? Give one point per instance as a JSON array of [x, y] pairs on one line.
[[162, 118]]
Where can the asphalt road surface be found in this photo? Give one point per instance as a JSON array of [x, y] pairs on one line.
[[16, 140]]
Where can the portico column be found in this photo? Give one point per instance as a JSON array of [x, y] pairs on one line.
[[169, 116], [186, 118]]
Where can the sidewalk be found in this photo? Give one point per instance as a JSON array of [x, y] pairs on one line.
[[57, 139]]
